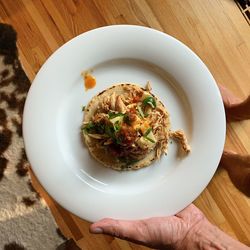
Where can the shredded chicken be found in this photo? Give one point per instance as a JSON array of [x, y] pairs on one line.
[[108, 142], [161, 148], [136, 93], [127, 88], [157, 120], [132, 105], [113, 101], [106, 104], [133, 92], [119, 105], [99, 117], [127, 100], [179, 136], [97, 136]]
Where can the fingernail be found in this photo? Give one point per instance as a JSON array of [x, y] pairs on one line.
[[97, 230]]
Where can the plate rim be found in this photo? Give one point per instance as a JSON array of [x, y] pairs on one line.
[[26, 107]]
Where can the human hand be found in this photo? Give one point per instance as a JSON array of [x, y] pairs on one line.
[[160, 232], [229, 99], [236, 109], [238, 168], [189, 229]]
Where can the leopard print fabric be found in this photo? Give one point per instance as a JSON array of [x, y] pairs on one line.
[[25, 220]]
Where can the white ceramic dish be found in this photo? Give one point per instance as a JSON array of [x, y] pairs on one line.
[[53, 116]]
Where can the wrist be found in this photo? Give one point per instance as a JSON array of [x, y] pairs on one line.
[[205, 236]]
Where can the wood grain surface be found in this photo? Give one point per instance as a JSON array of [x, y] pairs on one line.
[[215, 29]]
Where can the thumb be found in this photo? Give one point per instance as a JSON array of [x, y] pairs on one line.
[[136, 231]]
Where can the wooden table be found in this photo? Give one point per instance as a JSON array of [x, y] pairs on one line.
[[214, 29]]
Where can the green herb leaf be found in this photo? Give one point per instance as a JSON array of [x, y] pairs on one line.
[[149, 139], [140, 111], [94, 128], [118, 140], [149, 101], [83, 108], [100, 128], [113, 115], [117, 126], [147, 132], [89, 128], [126, 119], [109, 130]]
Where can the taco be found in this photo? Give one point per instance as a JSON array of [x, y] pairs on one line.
[[126, 127]]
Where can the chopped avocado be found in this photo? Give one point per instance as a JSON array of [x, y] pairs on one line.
[[145, 143], [117, 119], [117, 126], [150, 137], [148, 140], [114, 114]]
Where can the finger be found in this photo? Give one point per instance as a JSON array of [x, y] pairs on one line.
[[158, 232], [231, 158], [238, 168], [228, 97], [131, 230], [238, 111]]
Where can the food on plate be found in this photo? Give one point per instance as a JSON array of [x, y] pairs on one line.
[[89, 80], [180, 137], [127, 127]]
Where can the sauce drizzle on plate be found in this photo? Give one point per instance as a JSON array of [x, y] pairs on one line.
[[89, 81]]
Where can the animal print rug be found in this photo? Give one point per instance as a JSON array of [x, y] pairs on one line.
[[25, 220]]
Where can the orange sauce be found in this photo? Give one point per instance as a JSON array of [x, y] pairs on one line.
[[144, 127], [89, 81]]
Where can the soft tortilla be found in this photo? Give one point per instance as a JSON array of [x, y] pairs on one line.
[[101, 154]]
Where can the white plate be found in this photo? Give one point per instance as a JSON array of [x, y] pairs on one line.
[[123, 53]]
